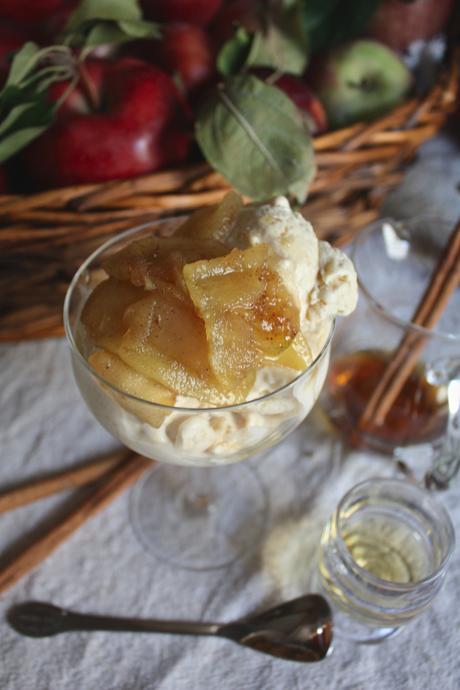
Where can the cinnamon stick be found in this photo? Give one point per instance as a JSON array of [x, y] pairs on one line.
[[69, 479], [444, 280], [117, 481]]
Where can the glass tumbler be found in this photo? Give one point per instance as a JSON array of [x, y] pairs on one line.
[[394, 262], [382, 557]]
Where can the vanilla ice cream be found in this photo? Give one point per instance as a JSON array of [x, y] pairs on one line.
[[322, 283]]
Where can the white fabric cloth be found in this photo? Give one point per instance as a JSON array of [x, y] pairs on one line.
[[44, 426]]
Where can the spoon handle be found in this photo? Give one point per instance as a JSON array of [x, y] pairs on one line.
[[91, 622], [38, 619]]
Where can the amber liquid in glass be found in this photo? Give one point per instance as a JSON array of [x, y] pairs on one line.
[[419, 413]]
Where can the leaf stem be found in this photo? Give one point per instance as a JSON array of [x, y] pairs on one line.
[[88, 87], [72, 84]]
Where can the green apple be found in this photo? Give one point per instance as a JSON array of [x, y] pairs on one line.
[[360, 80]]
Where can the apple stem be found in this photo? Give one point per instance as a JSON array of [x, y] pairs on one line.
[[88, 88], [367, 84]]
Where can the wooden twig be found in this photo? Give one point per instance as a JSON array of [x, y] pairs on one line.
[[166, 181]]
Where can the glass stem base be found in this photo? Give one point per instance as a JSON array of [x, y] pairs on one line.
[[199, 518], [346, 626]]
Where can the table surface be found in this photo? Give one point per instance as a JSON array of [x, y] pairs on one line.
[[45, 426]]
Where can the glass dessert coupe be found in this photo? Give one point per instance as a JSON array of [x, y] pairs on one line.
[[183, 513]]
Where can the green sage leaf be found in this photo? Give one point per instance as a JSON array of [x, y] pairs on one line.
[[253, 134]]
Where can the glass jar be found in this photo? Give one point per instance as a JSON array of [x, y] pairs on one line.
[[382, 557], [394, 261]]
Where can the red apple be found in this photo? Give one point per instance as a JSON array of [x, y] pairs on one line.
[[28, 10], [301, 95], [125, 118], [305, 99], [198, 12], [185, 50], [397, 23], [55, 22]]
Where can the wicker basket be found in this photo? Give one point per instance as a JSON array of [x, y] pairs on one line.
[[45, 236]]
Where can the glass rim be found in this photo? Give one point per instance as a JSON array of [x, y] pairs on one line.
[[76, 351], [397, 587], [374, 302]]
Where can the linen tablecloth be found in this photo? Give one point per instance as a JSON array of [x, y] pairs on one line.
[[102, 568]]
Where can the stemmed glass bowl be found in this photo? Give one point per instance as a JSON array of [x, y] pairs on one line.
[[191, 517]]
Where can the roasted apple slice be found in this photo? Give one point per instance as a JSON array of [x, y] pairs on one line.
[[153, 261], [249, 315], [165, 340], [297, 356], [213, 222], [103, 312], [113, 370]]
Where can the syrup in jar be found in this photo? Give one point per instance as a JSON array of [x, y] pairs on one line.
[[418, 415]]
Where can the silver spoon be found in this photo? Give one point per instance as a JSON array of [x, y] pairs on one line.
[[299, 630]]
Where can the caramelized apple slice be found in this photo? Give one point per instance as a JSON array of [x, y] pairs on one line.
[[113, 370], [165, 340], [248, 313], [103, 311], [153, 261], [213, 222], [297, 356]]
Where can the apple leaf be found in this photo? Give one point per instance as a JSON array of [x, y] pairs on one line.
[[279, 49], [101, 22], [350, 21], [315, 18], [104, 33], [23, 63], [253, 135], [233, 54], [281, 43], [111, 10], [331, 22], [272, 48], [24, 108], [22, 122]]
